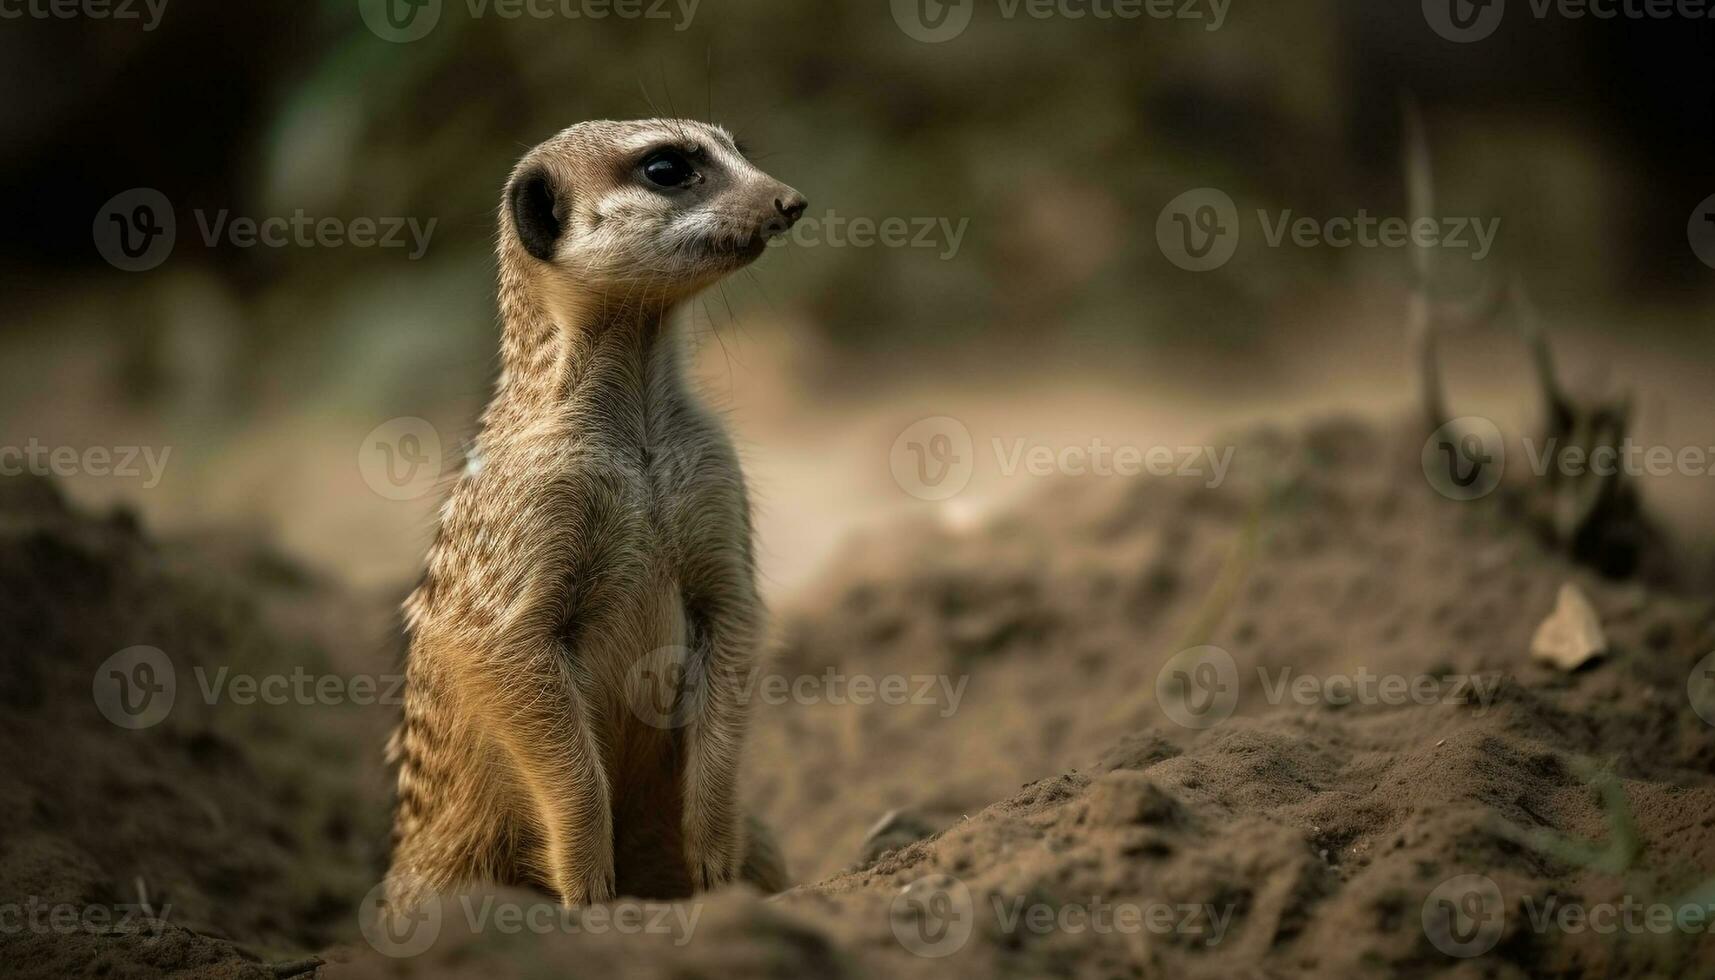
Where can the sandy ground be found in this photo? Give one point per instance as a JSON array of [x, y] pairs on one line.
[[1286, 726]]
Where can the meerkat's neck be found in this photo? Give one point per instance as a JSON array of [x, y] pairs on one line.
[[561, 347]]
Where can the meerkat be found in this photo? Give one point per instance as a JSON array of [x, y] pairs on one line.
[[577, 644]]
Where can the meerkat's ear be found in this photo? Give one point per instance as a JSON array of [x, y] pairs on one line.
[[533, 202]]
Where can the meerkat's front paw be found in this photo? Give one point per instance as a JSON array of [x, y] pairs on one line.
[[586, 886], [713, 860]]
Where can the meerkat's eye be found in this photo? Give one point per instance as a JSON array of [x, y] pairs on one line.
[[668, 168]]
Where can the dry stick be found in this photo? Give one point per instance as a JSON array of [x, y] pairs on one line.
[[1617, 856], [1557, 410], [1420, 195], [1233, 572], [1219, 599], [1427, 317]]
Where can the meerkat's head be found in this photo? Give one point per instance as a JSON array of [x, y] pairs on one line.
[[654, 207]]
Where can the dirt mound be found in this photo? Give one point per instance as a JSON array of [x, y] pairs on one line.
[[147, 830], [1287, 726]]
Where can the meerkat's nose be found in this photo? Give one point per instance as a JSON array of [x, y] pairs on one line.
[[791, 206]]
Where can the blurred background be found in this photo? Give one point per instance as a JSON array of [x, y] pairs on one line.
[[1031, 157]]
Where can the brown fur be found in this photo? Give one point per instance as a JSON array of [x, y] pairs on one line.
[[596, 559]]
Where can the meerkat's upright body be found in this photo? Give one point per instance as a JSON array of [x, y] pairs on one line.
[[589, 609]]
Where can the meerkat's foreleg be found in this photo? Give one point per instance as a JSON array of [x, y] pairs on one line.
[[715, 716], [534, 708]]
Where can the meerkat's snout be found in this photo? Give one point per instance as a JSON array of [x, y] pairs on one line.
[[774, 208], [789, 206]]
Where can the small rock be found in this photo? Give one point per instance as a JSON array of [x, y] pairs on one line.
[[1126, 796], [1572, 634]]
